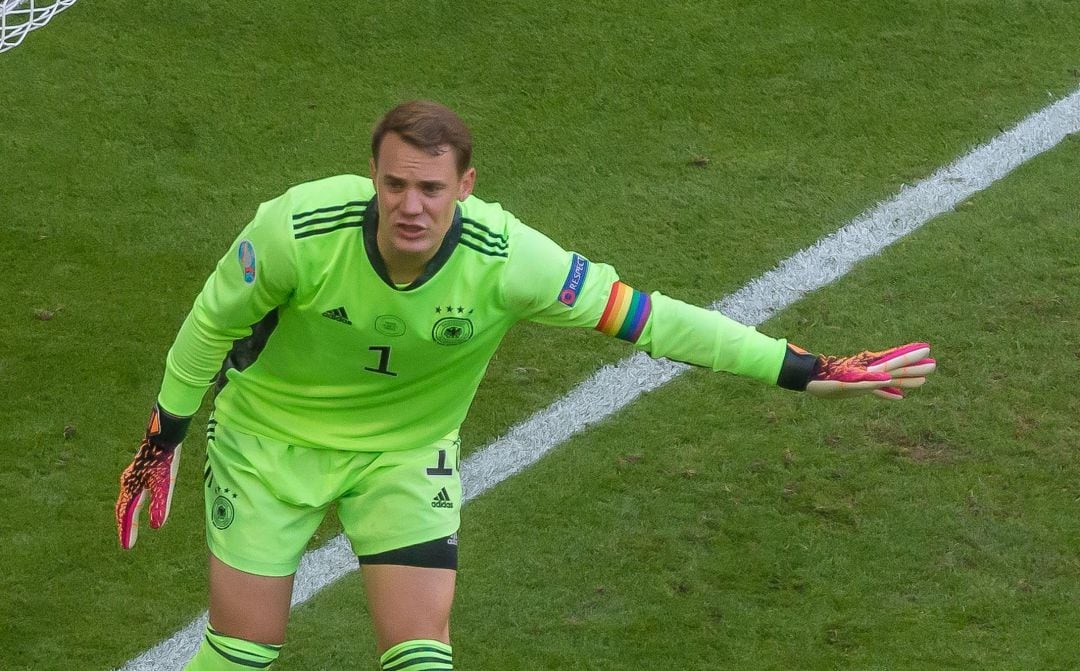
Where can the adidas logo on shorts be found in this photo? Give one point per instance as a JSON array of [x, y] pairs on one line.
[[442, 500]]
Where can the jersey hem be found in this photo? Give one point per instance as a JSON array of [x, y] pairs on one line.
[[233, 424]]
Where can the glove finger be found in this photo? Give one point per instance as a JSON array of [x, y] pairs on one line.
[[853, 376], [127, 517], [917, 369], [889, 393], [161, 481], [837, 388], [866, 384], [898, 357], [908, 382]]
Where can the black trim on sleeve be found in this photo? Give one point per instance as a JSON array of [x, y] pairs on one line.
[[797, 370]]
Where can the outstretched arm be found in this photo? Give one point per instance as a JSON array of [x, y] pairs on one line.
[[553, 286], [707, 338]]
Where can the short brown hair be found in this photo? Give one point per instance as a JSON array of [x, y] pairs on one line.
[[428, 126]]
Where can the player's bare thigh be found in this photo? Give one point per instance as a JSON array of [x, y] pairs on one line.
[[409, 603], [247, 606]]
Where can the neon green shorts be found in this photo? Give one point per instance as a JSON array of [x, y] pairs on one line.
[[265, 498]]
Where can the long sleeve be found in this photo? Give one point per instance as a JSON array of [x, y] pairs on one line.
[[257, 274], [683, 332], [557, 287]]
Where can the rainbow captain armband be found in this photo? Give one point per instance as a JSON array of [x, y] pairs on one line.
[[626, 312]]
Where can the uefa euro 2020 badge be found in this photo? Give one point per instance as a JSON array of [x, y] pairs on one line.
[[246, 255]]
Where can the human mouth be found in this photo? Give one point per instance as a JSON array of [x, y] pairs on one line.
[[411, 231]]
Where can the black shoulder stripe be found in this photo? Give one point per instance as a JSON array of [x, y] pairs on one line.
[[323, 220], [497, 239], [349, 215], [332, 208], [483, 250], [319, 231], [481, 240]]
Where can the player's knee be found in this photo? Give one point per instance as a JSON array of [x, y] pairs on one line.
[[418, 655], [219, 652]]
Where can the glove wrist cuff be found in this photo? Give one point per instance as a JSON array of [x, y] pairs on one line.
[[166, 429], [797, 370]]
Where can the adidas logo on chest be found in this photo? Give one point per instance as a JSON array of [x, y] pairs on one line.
[[338, 315]]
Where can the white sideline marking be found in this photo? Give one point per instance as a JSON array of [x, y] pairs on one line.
[[616, 386]]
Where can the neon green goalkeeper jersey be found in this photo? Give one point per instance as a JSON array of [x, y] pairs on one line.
[[321, 349]]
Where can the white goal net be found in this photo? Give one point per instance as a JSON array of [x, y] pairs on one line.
[[19, 17]]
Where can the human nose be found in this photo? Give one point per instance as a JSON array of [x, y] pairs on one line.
[[412, 204]]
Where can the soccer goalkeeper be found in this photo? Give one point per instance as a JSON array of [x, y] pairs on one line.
[[348, 327]]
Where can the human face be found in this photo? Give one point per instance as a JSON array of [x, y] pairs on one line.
[[417, 193]]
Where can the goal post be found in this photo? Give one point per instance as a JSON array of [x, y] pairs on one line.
[[19, 17]]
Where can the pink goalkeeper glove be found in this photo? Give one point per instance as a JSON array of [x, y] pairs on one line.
[[151, 474], [884, 374]]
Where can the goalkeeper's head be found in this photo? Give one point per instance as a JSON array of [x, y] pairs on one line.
[[428, 126], [420, 154]]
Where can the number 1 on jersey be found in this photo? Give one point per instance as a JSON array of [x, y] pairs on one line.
[[384, 361]]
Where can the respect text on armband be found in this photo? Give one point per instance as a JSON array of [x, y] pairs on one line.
[[579, 267]]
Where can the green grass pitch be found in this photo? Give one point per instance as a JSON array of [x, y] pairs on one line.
[[714, 523]]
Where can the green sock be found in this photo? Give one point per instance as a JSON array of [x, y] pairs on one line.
[[420, 655], [225, 653]]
